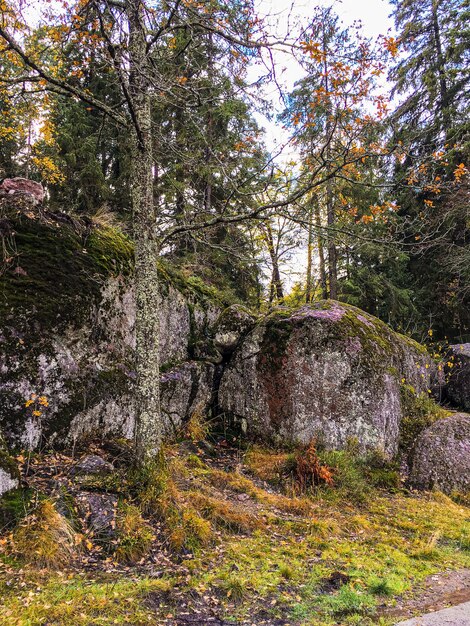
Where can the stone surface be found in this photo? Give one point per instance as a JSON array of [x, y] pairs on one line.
[[185, 390], [455, 616], [457, 389], [67, 335], [23, 186], [231, 326], [99, 510], [328, 371], [92, 464], [7, 481], [9, 474], [442, 456]]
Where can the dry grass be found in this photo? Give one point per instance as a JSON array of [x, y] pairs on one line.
[[267, 465], [241, 484], [224, 514], [45, 538], [197, 427], [134, 534]]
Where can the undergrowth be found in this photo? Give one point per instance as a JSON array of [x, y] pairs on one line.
[[252, 540]]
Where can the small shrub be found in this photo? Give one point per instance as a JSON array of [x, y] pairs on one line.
[[45, 538], [197, 427], [350, 481], [308, 470], [14, 506], [286, 572], [428, 551], [234, 588], [188, 530], [151, 484], [385, 587]]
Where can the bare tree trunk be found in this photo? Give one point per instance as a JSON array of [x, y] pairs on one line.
[[321, 252], [441, 69], [276, 290], [209, 128], [309, 283], [332, 253], [148, 428]]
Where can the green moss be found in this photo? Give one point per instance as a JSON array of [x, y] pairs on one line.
[[419, 412], [193, 287], [8, 463], [14, 506], [58, 273]]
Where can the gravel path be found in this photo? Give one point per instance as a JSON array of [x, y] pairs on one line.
[[455, 616]]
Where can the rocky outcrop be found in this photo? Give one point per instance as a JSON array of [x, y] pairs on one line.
[[457, 370], [67, 344], [67, 336], [328, 371], [442, 456], [23, 186]]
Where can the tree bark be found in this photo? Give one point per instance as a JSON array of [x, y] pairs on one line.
[[321, 252], [148, 427], [276, 290], [309, 282]]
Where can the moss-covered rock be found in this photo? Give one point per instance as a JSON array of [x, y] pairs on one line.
[[442, 456], [67, 335], [327, 370], [457, 371], [232, 324]]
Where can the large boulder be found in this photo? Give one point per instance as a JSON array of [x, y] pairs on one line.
[[67, 335], [457, 370], [442, 456], [327, 371]]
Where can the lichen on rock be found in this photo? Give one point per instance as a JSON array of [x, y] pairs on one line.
[[68, 312], [442, 456]]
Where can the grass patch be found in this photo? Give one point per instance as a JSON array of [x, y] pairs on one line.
[[44, 538], [135, 536], [348, 601]]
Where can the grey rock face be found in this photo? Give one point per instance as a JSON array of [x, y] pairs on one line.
[[7, 481], [442, 456], [86, 374], [457, 389], [92, 464], [328, 371], [185, 390], [9, 475], [231, 326]]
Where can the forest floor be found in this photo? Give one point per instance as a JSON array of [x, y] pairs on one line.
[[356, 552]]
